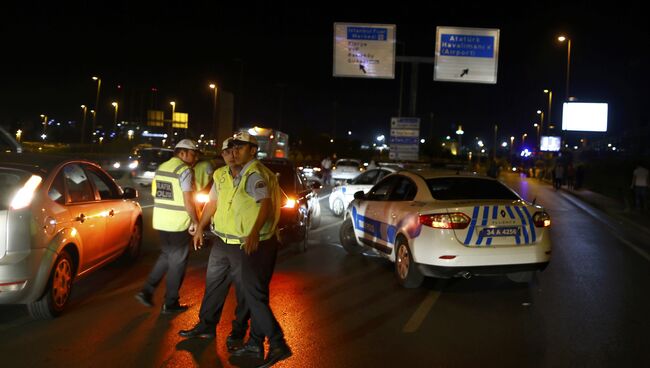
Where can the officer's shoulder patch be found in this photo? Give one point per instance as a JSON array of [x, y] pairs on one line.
[[260, 184]]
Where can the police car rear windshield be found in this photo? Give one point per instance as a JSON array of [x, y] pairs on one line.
[[468, 188]]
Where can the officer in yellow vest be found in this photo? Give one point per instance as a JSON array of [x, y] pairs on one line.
[[224, 264], [253, 201], [203, 171], [175, 218]]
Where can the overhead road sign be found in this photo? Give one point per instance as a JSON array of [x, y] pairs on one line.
[[468, 55], [404, 138], [364, 50]]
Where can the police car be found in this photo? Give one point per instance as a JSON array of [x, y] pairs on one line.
[[444, 224], [342, 195]]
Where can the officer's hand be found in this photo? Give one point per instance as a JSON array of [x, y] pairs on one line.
[[198, 239], [192, 229], [251, 243]]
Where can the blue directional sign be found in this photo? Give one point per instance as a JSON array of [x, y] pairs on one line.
[[466, 45], [468, 55]]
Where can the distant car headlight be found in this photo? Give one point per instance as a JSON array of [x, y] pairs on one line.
[[317, 169], [202, 197], [290, 203], [116, 165], [133, 164]]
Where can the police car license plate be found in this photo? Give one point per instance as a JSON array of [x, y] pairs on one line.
[[500, 231]]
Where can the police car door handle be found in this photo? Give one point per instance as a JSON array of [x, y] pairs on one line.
[[81, 218]]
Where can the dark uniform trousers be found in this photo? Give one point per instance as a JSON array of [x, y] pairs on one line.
[[174, 247], [224, 267], [257, 270]]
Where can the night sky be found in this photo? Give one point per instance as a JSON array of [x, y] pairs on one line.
[[283, 54]]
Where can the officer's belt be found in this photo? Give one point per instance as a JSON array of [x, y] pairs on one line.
[[229, 239]]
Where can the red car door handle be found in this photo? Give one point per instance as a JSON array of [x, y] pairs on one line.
[[81, 218]]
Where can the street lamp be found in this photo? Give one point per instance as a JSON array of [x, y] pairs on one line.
[[83, 123], [541, 123], [537, 126], [460, 133], [568, 63], [44, 123], [115, 105], [171, 121], [214, 109], [523, 139], [550, 100], [99, 86]]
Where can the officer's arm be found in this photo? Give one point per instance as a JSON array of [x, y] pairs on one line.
[[253, 239], [190, 207]]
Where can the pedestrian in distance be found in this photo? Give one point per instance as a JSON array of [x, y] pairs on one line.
[[254, 211], [326, 167], [175, 218], [570, 176], [640, 187], [224, 263], [558, 176]]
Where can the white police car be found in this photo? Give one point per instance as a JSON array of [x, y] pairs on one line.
[[342, 195], [448, 225]]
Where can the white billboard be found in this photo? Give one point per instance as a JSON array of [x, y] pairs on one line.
[[467, 55], [584, 116], [364, 50], [550, 143]]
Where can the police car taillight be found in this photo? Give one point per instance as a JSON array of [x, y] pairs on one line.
[[456, 220], [541, 219]]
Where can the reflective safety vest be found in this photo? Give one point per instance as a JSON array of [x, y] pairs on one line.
[[201, 177], [237, 211], [169, 213]]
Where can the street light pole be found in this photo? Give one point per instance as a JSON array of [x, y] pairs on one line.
[[171, 121], [99, 86], [83, 123], [44, 122], [568, 63], [215, 126], [115, 104], [550, 101]]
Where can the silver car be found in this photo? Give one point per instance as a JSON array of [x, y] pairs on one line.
[[59, 219]]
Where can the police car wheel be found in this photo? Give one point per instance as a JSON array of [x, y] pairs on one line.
[[406, 270], [348, 239], [338, 208]]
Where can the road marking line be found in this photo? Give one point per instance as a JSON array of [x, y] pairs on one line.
[[324, 197], [418, 317], [327, 227]]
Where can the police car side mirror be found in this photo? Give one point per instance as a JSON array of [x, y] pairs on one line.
[[359, 195], [130, 193]]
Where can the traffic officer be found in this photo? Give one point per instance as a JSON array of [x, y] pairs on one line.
[[175, 218], [253, 204], [203, 171], [224, 264]]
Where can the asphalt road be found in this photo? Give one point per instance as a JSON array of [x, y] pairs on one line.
[[589, 308]]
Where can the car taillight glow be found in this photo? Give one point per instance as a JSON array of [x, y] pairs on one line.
[[454, 220], [541, 219], [24, 195], [290, 203]]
